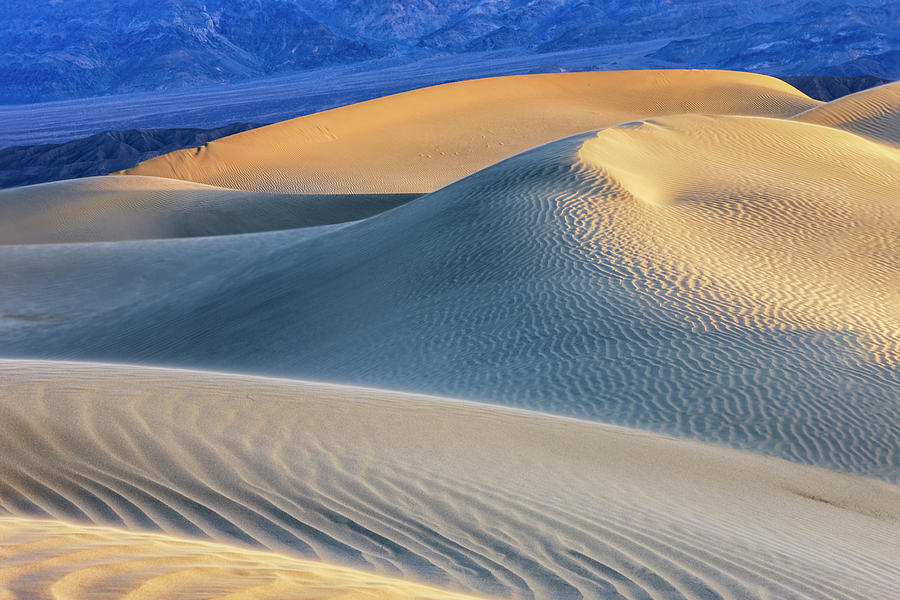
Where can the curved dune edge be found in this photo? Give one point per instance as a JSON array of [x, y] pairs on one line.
[[421, 140], [51, 559], [477, 498], [96, 209], [873, 113], [766, 223]]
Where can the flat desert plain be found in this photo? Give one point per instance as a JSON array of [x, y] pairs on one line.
[[626, 334]]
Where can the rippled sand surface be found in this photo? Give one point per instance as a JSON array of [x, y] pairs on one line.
[[697, 295], [467, 497]]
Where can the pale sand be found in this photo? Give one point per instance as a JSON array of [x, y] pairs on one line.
[[61, 561], [736, 240], [874, 113], [421, 140], [128, 208], [463, 496], [728, 279]]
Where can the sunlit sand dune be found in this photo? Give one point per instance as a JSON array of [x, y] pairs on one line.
[[728, 279], [56, 560], [462, 496], [874, 113], [421, 140], [124, 208], [751, 221]]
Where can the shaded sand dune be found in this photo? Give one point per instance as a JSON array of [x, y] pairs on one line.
[[462, 496], [728, 279], [421, 140], [874, 113], [125, 208], [55, 560]]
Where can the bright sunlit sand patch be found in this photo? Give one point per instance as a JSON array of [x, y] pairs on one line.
[[764, 223], [464, 496], [874, 113], [60, 561], [421, 140]]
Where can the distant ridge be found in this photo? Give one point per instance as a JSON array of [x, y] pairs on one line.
[[82, 48]]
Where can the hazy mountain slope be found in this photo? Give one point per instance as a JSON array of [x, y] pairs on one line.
[[76, 48]]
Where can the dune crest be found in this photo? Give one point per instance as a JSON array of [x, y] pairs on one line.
[[418, 141], [494, 501], [756, 308], [873, 113], [96, 209]]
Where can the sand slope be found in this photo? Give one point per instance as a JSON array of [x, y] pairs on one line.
[[53, 559], [421, 140], [746, 295], [464, 496], [874, 113], [125, 208], [729, 279]]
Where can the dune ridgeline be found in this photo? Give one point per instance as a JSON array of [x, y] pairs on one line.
[[656, 314]]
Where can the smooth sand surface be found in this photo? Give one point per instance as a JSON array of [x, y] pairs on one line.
[[461, 496], [730, 279], [59, 561], [126, 208], [421, 140], [874, 113]]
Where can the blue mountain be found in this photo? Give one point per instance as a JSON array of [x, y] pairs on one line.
[[58, 49]]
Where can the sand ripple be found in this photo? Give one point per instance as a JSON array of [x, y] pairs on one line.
[[462, 496], [874, 113], [728, 279], [60, 561]]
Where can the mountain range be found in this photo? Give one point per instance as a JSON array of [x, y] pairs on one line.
[[56, 50]]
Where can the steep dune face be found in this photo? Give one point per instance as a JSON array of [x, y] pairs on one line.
[[499, 502], [421, 140], [874, 113], [728, 279], [127, 208]]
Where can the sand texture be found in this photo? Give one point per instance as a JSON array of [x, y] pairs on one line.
[[462, 496], [730, 279], [874, 113], [690, 280], [57, 560], [421, 140]]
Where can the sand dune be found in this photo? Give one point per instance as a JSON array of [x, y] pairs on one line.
[[53, 559], [463, 496], [125, 208], [421, 140], [728, 279], [725, 224], [874, 113], [693, 265]]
